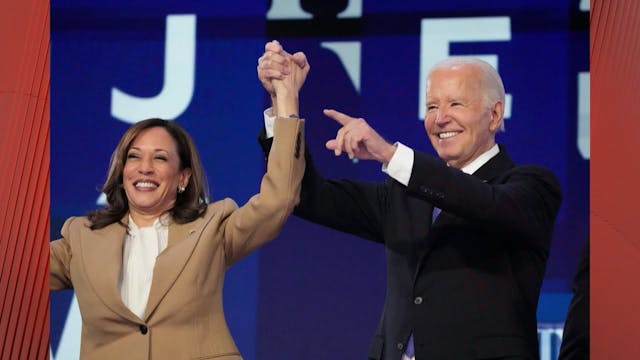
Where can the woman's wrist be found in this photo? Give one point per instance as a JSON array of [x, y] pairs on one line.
[[287, 104]]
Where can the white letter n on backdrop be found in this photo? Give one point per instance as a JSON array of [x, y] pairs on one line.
[[179, 74]]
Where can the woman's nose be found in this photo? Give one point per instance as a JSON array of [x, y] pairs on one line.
[[146, 166]]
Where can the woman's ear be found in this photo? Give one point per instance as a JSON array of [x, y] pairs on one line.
[[185, 176]]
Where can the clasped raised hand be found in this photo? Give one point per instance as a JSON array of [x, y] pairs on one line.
[[278, 65]]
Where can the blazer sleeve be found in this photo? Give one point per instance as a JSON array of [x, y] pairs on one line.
[[59, 260], [349, 206], [262, 217], [524, 200]]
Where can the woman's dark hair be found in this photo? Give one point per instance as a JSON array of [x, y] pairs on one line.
[[189, 204]]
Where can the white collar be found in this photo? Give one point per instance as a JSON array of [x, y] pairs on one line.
[[477, 163], [159, 223]]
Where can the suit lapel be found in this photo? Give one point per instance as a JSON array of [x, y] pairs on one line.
[[102, 256], [495, 166], [170, 263]]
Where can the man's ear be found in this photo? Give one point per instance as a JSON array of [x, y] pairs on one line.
[[497, 112]]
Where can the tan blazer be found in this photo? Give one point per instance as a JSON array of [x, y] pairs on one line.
[[184, 316]]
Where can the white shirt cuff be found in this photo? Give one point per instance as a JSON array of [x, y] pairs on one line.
[[400, 165], [269, 120]]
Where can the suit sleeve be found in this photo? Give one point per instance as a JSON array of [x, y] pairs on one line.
[[59, 260], [350, 206], [525, 201], [262, 217]]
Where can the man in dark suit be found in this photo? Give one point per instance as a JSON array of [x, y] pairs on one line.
[[466, 284]]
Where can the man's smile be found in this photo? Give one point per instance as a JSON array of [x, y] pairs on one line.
[[447, 134]]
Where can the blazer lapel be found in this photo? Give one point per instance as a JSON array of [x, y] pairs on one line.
[[495, 166], [102, 256], [170, 263]]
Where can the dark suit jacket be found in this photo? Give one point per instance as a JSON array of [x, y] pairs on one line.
[[466, 286]]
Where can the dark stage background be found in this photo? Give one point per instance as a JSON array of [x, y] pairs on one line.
[[312, 293]]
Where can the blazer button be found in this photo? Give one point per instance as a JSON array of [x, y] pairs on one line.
[[144, 329], [417, 300], [400, 346]]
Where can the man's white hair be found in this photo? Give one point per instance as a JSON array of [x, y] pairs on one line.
[[492, 82]]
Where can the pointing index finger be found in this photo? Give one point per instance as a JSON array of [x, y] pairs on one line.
[[342, 119]]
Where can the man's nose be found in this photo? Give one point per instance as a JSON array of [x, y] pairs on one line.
[[441, 117]]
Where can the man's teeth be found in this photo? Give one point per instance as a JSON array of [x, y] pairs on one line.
[[446, 135], [145, 185]]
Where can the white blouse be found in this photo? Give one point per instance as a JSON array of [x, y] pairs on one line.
[[141, 247]]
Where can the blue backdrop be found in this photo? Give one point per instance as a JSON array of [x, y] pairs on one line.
[[312, 293]]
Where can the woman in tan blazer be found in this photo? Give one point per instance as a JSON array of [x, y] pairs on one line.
[[148, 269]]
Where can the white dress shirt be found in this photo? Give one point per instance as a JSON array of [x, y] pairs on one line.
[[142, 245]]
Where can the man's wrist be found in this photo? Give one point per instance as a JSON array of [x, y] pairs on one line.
[[400, 165], [391, 150]]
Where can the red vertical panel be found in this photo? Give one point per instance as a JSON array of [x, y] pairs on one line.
[[615, 174], [24, 179]]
